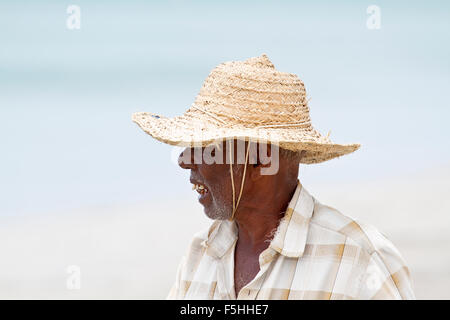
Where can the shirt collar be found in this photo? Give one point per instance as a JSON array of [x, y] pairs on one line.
[[289, 239], [221, 236]]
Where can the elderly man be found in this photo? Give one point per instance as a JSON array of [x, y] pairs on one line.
[[244, 137]]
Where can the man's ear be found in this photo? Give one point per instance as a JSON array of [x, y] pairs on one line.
[[264, 161], [256, 171]]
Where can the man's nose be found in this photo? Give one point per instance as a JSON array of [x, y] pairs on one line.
[[186, 159]]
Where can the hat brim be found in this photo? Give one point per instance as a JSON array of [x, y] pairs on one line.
[[190, 132]]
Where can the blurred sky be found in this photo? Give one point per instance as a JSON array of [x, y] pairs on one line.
[[66, 96]]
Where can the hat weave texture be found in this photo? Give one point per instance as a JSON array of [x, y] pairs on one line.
[[248, 100]]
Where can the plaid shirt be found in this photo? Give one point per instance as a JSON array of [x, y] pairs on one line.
[[316, 253]]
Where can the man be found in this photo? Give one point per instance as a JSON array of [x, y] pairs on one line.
[[245, 136]]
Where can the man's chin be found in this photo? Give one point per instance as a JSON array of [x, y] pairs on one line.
[[214, 214]]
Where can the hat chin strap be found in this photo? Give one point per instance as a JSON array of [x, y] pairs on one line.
[[235, 204]]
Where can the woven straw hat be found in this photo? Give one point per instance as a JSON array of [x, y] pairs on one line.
[[248, 100]]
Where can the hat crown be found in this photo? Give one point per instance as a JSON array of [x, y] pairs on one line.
[[260, 62], [247, 100], [252, 93]]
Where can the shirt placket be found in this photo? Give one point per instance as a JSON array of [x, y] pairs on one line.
[[250, 291], [225, 281]]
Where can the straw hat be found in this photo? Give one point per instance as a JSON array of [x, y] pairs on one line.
[[248, 100]]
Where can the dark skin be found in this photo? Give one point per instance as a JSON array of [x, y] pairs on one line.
[[262, 205]]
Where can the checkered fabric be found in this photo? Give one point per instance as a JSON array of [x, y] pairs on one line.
[[316, 253]]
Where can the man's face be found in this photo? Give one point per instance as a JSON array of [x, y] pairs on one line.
[[211, 179], [211, 176]]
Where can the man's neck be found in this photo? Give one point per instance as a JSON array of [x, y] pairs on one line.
[[258, 223]]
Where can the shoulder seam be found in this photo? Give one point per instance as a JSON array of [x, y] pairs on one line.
[[370, 250]]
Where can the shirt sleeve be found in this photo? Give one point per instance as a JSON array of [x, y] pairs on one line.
[[175, 290], [386, 278]]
